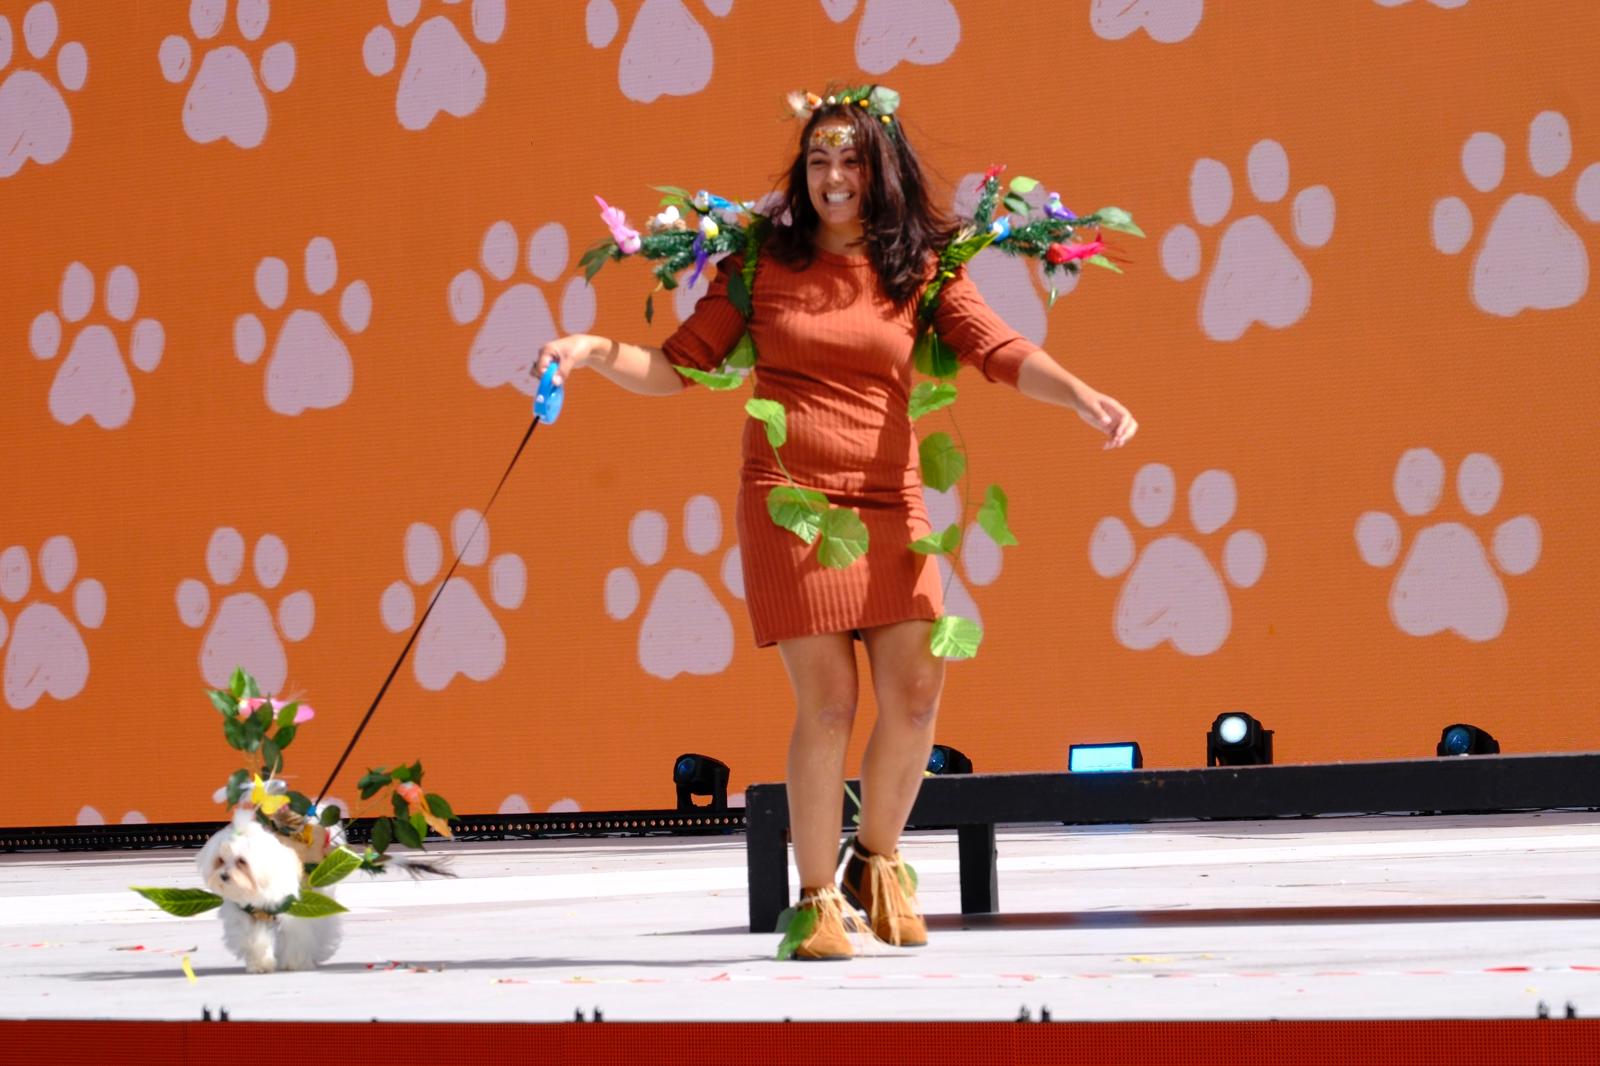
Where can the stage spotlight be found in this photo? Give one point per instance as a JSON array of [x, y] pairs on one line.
[[947, 760], [1099, 758], [1464, 739], [1236, 739], [700, 775]]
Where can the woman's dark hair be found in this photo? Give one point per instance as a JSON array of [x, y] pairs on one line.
[[903, 230]]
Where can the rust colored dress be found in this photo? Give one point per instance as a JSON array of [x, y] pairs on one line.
[[836, 353]]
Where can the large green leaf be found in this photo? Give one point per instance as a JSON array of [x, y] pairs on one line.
[[233, 732], [739, 293], [330, 814], [942, 462], [438, 806], [942, 543], [743, 355], [955, 637], [1016, 204], [992, 516], [223, 702], [771, 414], [183, 902], [271, 757], [1022, 186], [929, 396], [340, 863], [843, 538], [1115, 218], [798, 510], [407, 833], [236, 684], [316, 905], [372, 782], [286, 715], [933, 357], [720, 382], [1102, 261], [673, 190], [799, 928], [285, 735], [382, 835], [238, 781]]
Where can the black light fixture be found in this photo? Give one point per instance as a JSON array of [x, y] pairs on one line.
[[1101, 758], [947, 760], [1464, 739], [1236, 739], [700, 775]]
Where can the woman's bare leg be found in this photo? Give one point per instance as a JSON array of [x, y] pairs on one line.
[[822, 670], [907, 679]]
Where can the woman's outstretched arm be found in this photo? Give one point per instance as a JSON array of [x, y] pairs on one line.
[[637, 369], [1042, 378]]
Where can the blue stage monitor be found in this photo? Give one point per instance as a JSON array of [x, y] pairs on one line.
[[1098, 758]]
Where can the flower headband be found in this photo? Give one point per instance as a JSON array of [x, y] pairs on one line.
[[876, 99]]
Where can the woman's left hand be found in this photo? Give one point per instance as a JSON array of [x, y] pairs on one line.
[[1109, 417]]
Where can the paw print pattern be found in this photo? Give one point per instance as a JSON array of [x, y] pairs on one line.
[[310, 366], [442, 72], [461, 636], [981, 558], [1174, 592], [686, 630], [1015, 287], [46, 655], [519, 323], [1446, 4], [1255, 276], [1530, 259], [891, 32], [91, 816], [34, 120], [667, 53], [243, 632], [225, 100], [93, 380], [1446, 581], [1167, 21]]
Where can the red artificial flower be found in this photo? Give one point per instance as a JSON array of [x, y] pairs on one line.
[[1066, 253], [990, 174]]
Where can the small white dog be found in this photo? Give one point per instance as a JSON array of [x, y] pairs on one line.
[[257, 873]]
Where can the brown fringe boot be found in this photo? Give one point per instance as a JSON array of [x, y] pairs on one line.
[[820, 928], [885, 889]]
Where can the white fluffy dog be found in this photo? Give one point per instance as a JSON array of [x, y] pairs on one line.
[[257, 873]]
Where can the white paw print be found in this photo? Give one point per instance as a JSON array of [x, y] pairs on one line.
[[1255, 276], [667, 52], [461, 636], [225, 99], [1167, 21], [1175, 593], [891, 32], [519, 323], [686, 630], [34, 120], [981, 558], [91, 816], [442, 72], [46, 654], [1446, 581], [1530, 259], [1016, 288], [93, 380], [1446, 4], [516, 803], [243, 633], [310, 366]]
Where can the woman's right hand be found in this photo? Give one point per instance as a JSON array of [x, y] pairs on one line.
[[569, 353]]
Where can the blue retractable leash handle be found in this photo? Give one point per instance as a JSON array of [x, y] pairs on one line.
[[549, 397], [547, 401]]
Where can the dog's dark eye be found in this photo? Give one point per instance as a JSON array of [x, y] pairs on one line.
[[242, 862]]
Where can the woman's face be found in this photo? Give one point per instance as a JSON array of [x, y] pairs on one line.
[[835, 176]]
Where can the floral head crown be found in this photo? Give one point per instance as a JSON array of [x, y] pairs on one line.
[[877, 100]]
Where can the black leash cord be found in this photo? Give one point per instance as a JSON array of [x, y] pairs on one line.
[[482, 517]]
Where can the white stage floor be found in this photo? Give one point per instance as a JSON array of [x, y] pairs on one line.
[[1365, 917]]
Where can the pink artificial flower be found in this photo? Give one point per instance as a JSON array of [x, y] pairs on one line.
[[247, 707], [410, 791], [303, 713], [627, 239], [1066, 253]]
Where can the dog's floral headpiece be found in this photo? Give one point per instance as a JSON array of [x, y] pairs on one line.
[[878, 100]]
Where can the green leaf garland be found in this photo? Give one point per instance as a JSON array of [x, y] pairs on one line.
[[770, 413], [339, 863], [929, 396], [802, 923], [942, 543], [718, 382], [955, 637], [798, 510], [184, 902], [315, 905], [942, 462], [842, 538], [992, 516]]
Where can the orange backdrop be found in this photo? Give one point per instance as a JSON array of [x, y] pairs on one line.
[[270, 272]]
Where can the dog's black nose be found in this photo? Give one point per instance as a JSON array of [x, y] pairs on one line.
[[222, 877]]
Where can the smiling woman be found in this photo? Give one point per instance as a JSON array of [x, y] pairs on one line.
[[849, 286]]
